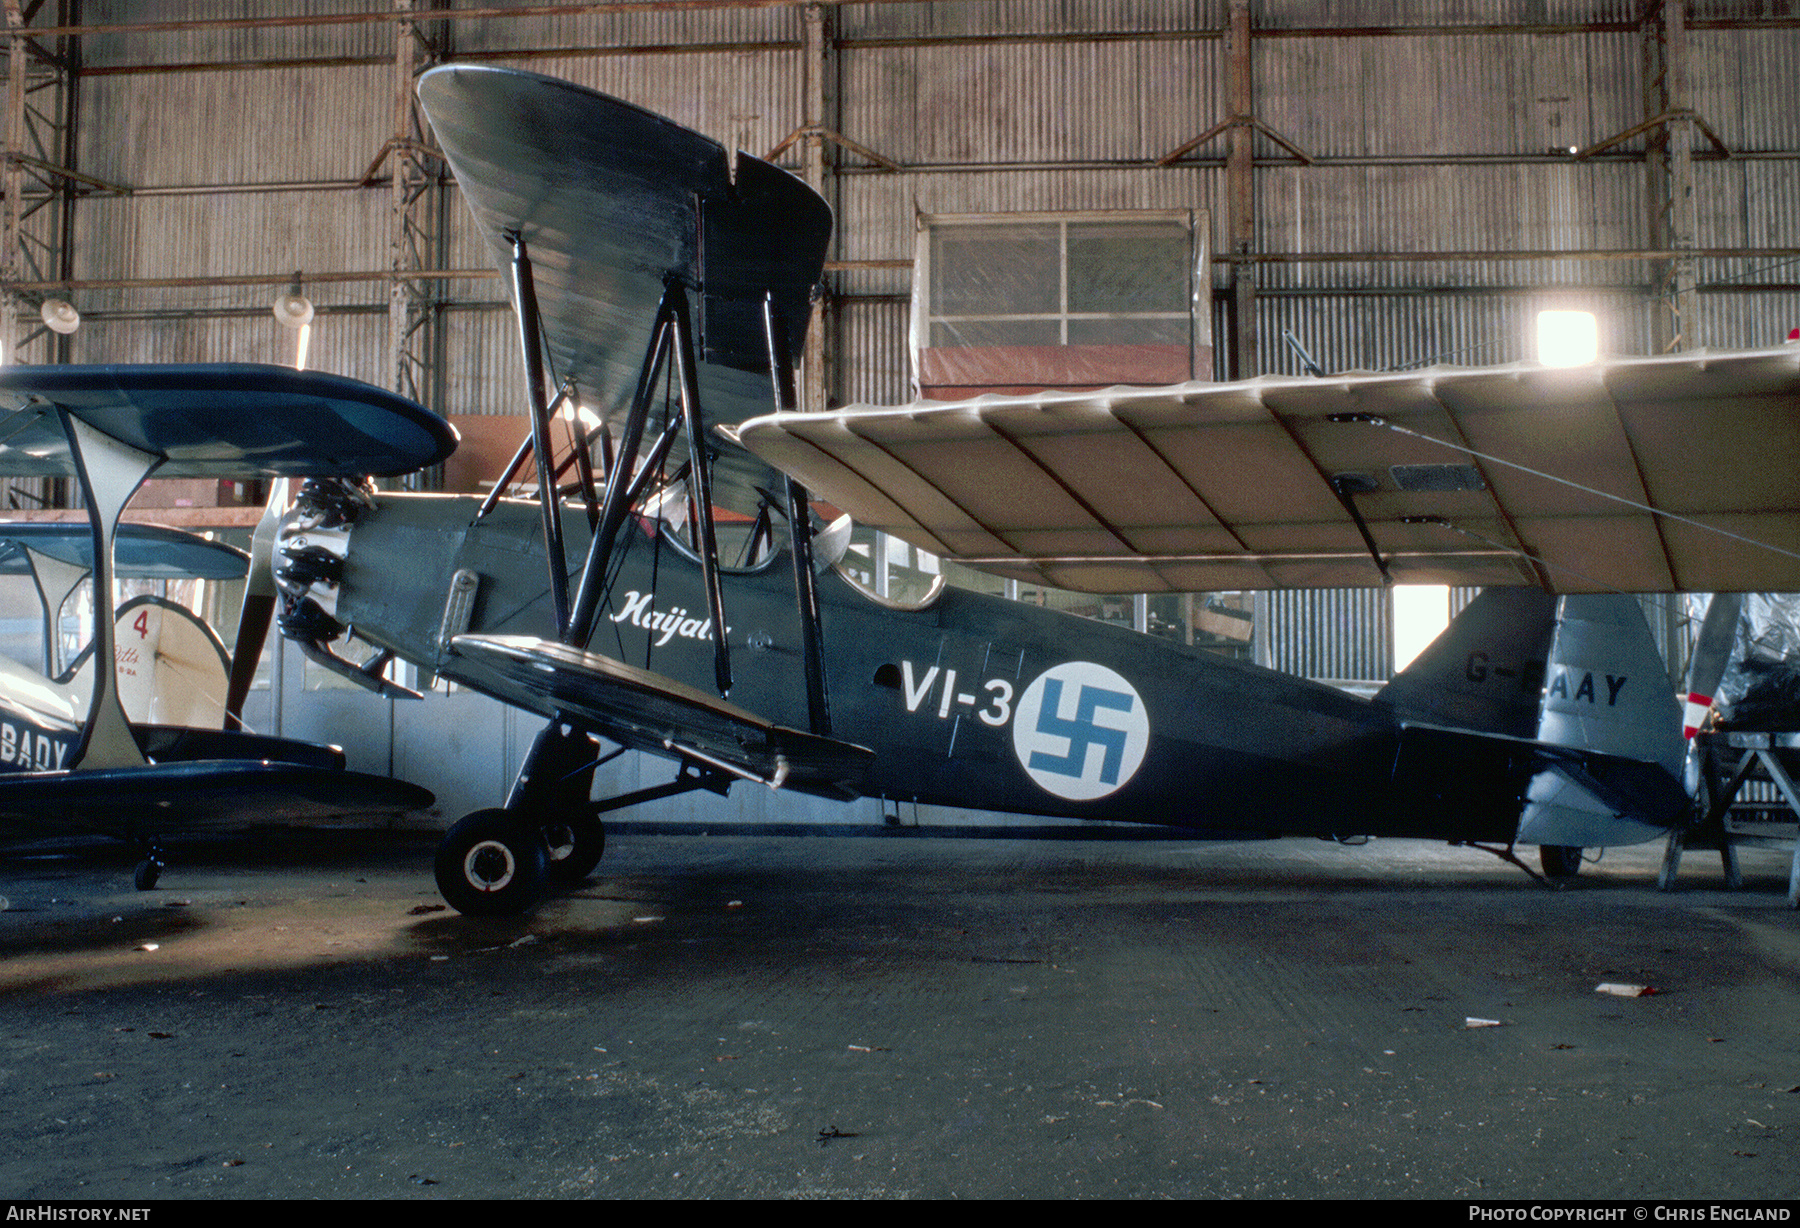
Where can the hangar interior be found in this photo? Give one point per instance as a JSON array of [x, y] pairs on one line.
[[1156, 190]]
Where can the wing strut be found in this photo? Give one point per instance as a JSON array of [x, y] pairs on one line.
[[54, 581], [110, 473], [702, 478], [1346, 486], [799, 515], [621, 490], [671, 340], [532, 351], [525, 449]]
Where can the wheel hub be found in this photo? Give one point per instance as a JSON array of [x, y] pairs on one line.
[[489, 866], [559, 842]]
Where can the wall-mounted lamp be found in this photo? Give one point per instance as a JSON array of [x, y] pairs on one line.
[[60, 316], [294, 310]]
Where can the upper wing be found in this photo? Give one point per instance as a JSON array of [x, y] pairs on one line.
[[612, 201], [217, 420], [1640, 475]]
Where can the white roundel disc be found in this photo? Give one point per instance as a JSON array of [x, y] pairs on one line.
[[1080, 731]]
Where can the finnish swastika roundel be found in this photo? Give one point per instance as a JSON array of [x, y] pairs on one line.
[[1080, 731]]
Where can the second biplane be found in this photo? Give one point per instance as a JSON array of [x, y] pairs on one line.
[[71, 757]]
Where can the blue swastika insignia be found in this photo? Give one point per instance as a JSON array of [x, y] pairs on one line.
[[1082, 732]]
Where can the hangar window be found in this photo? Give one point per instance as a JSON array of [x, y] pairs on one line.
[[1031, 301]]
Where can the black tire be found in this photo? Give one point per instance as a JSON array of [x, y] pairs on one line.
[[573, 848], [1560, 860], [491, 864], [148, 871]]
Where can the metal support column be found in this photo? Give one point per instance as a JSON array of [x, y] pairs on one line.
[[416, 244], [12, 182], [1240, 195], [818, 98], [1669, 176], [35, 181]]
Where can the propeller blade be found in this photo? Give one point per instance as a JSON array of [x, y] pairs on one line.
[[258, 610]]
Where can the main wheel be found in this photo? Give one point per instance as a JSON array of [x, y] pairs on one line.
[[1560, 860], [491, 864], [574, 848]]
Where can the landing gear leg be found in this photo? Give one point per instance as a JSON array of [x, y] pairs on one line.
[[574, 848], [553, 791]]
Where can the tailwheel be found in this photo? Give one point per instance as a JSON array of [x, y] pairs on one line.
[[573, 848], [1560, 860], [148, 871], [491, 864]]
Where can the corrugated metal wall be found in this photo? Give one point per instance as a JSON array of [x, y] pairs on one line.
[[245, 147]]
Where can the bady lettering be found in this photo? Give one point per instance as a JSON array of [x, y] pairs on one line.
[[30, 749]]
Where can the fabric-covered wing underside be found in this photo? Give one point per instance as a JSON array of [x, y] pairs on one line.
[[1204, 487]]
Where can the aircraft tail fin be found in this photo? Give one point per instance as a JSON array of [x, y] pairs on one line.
[[1485, 672], [1579, 680]]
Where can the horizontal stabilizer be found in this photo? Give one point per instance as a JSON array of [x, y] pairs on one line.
[[651, 712], [1600, 801]]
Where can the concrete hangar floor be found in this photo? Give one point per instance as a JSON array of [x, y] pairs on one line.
[[898, 1017]]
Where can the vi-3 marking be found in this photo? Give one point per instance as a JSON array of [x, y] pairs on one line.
[[915, 689]]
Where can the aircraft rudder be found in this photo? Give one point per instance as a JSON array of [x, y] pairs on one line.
[[1485, 672], [1607, 693]]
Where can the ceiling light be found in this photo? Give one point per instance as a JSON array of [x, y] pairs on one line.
[[1567, 338]]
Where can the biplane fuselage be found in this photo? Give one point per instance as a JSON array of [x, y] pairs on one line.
[[973, 701]]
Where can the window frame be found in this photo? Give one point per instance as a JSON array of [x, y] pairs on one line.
[[1197, 315]]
